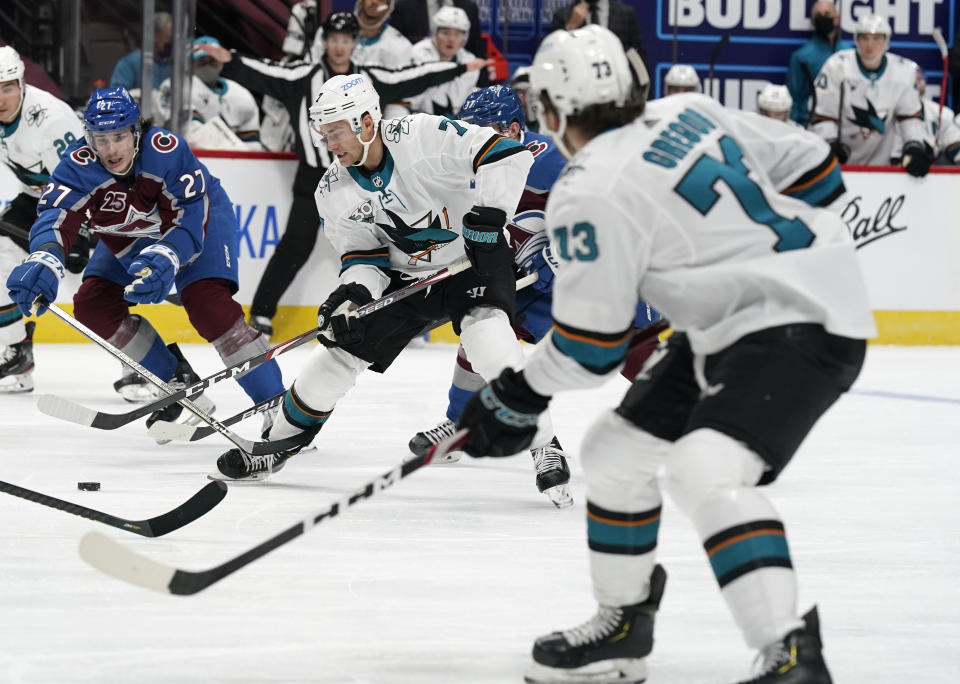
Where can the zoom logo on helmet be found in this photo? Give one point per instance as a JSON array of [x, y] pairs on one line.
[[347, 86]]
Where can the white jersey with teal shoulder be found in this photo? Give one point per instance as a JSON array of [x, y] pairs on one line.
[[31, 146], [389, 49], [876, 105], [948, 138], [712, 216], [445, 99], [407, 215], [227, 99]]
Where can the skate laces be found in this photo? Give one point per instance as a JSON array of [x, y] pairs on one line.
[[600, 626], [441, 432], [547, 458], [7, 354], [772, 658]]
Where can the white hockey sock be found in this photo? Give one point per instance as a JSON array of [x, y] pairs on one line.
[[620, 464]]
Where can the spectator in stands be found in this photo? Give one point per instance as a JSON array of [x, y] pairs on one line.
[[414, 19], [681, 78], [446, 45], [301, 28], [805, 62], [127, 71], [225, 114], [619, 17]]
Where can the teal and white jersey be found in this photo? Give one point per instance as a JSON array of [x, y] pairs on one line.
[[32, 144], [389, 49], [446, 98], [876, 106], [712, 216], [227, 99], [948, 140], [407, 215]]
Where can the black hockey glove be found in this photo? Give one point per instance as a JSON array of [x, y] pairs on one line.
[[339, 324], [79, 253], [840, 150], [917, 157], [502, 417], [485, 243]]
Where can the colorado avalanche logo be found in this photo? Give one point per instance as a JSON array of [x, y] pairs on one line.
[[536, 147], [83, 155], [164, 142]]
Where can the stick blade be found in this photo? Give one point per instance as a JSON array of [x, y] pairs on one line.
[[163, 429], [64, 409], [445, 446], [195, 507], [115, 559]]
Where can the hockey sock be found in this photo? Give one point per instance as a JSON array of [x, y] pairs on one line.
[[243, 342], [296, 417], [139, 340], [620, 464], [710, 476], [12, 329], [466, 383]]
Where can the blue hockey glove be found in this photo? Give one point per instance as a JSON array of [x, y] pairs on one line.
[[337, 319], [484, 241], [917, 157], [545, 265], [156, 266], [502, 417], [39, 274]]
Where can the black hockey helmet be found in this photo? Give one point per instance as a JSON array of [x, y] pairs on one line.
[[341, 22]]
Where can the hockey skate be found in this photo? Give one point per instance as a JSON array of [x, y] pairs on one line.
[[263, 324], [16, 364], [183, 377], [553, 474], [236, 465], [422, 441], [134, 388], [609, 648], [796, 659]]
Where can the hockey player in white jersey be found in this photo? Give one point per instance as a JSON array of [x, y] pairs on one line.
[[774, 101], [867, 94], [213, 96], [378, 43], [446, 45], [35, 129], [681, 202], [397, 204], [941, 125], [681, 78]]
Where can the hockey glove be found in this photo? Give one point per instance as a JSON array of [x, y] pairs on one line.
[[502, 417], [917, 157], [485, 243], [337, 319], [156, 266], [79, 253], [40, 274], [840, 150], [545, 265]]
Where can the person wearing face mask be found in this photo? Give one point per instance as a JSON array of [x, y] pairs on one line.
[[212, 96], [805, 63], [127, 71]]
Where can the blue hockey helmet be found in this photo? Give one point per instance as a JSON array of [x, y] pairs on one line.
[[496, 104], [111, 109]]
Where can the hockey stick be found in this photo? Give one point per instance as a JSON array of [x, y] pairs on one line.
[[163, 429], [722, 43], [196, 506], [942, 44], [250, 447], [117, 560], [58, 407]]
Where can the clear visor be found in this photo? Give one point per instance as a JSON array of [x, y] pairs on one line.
[[336, 136], [100, 140]]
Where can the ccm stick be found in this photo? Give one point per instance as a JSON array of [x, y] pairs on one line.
[[62, 408], [115, 559], [196, 506], [190, 433]]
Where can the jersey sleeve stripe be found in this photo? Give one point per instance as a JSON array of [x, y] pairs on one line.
[[597, 352], [371, 257], [819, 186], [821, 117], [916, 115], [495, 149]]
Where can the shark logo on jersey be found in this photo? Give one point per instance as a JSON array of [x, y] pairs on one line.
[[395, 129], [36, 115], [868, 118], [329, 178], [415, 241]]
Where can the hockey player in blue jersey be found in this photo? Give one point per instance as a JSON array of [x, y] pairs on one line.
[[162, 219], [500, 108]]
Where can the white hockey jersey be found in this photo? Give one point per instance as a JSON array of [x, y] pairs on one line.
[[947, 142], [876, 104], [389, 49], [31, 146], [445, 99], [407, 215], [227, 99], [711, 216]]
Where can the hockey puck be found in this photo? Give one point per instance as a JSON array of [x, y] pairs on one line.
[[88, 486]]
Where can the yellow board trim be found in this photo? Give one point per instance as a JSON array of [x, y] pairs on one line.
[[895, 327]]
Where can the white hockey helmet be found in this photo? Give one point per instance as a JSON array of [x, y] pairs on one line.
[[452, 17], [682, 78], [872, 23], [345, 98], [580, 68], [774, 98], [11, 69]]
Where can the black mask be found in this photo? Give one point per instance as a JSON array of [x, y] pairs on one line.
[[823, 25]]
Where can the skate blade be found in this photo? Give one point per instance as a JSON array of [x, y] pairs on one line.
[[203, 403], [560, 495], [19, 385], [448, 458], [620, 670]]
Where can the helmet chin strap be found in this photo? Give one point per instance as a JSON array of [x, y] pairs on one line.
[[557, 135], [366, 146]]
